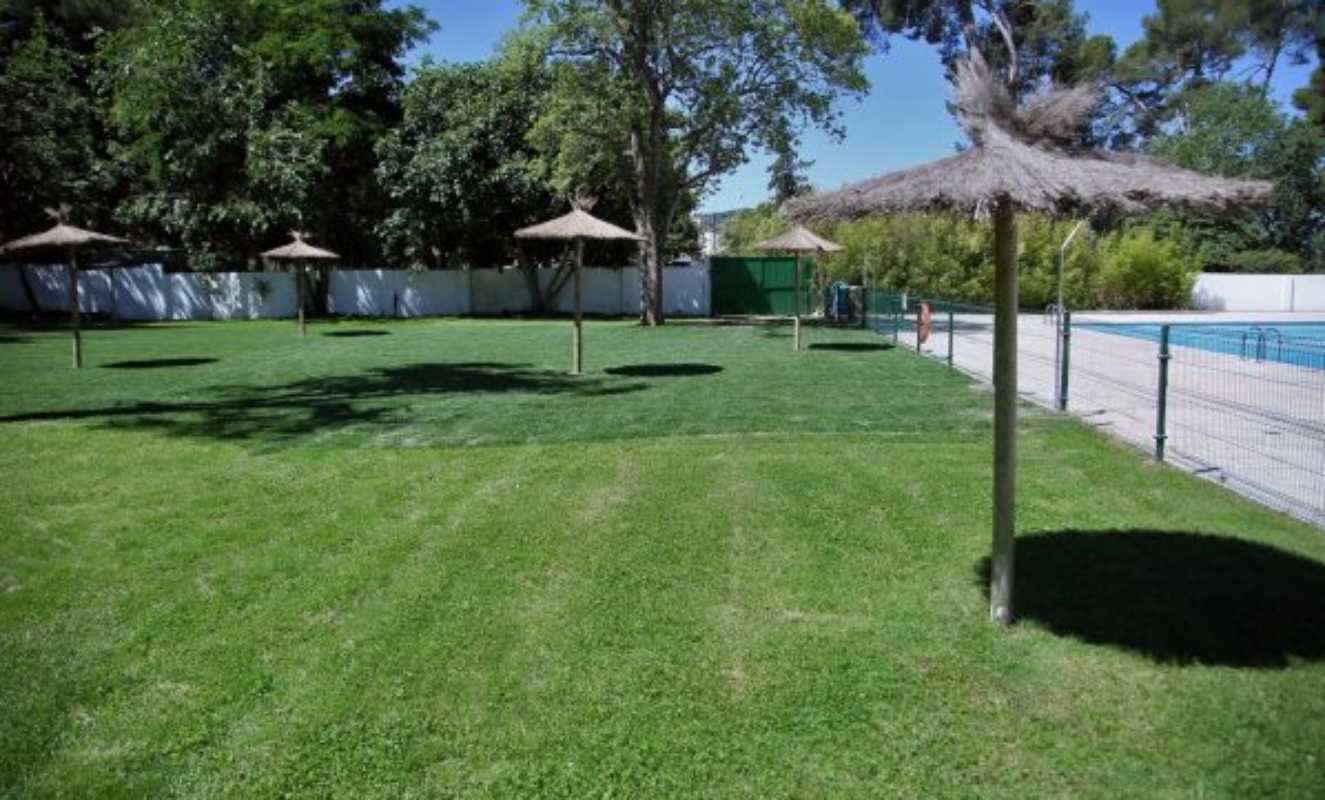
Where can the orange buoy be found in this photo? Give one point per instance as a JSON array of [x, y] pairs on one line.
[[925, 324]]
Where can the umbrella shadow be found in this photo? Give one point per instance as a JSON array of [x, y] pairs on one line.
[[853, 347], [1176, 597], [314, 406], [664, 370], [160, 363]]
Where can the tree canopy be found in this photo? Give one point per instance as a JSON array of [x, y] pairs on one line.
[[215, 127], [677, 94]]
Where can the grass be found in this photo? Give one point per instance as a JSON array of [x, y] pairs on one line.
[[416, 559]]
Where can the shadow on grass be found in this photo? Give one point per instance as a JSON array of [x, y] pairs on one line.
[[852, 347], [284, 413], [160, 363], [664, 370], [1176, 597], [355, 334], [9, 339]]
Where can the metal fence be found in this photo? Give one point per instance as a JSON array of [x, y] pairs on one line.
[[1240, 405]]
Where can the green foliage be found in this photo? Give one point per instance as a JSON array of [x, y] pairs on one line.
[[459, 169], [1143, 272], [239, 121], [1268, 261], [941, 256], [1049, 35], [1233, 130], [1227, 129], [187, 104], [48, 134], [1189, 44], [673, 96]]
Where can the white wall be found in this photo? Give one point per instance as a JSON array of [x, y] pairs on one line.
[[1228, 292], [150, 293]]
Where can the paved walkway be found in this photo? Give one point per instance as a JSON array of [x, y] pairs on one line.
[[1257, 427]]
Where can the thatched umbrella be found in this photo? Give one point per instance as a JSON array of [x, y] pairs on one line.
[[300, 252], [1021, 159], [69, 239], [798, 240], [577, 226]]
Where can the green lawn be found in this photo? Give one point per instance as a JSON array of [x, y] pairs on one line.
[[416, 559]]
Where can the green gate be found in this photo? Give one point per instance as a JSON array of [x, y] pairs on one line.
[[758, 286]]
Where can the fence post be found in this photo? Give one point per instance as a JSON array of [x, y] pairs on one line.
[[1065, 360], [950, 336], [1161, 410], [917, 327], [897, 321]]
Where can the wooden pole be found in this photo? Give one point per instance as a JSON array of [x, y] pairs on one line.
[[299, 288], [577, 343], [797, 324], [1005, 412], [75, 314]]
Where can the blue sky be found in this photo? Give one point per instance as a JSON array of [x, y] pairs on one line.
[[902, 122]]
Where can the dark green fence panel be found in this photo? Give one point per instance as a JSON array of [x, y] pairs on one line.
[[759, 286]]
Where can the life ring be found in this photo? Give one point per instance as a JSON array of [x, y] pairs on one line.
[[925, 323]]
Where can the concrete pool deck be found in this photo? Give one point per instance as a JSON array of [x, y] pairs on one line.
[[1257, 427]]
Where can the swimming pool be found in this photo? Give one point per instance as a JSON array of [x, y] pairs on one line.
[[1301, 344]]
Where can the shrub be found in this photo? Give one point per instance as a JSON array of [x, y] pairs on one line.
[[1143, 272], [1268, 261]]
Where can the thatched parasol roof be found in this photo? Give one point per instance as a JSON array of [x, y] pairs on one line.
[[300, 250], [1022, 155], [61, 236], [577, 224], [798, 240]]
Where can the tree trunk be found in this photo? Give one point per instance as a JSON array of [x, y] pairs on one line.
[[75, 315], [647, 150], [651, 310], [1005, 412]]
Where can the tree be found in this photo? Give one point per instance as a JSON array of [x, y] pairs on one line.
[[1029, 41], [1310, 99], [786, 175], [48, 133], [1188, 44], [459, 169], [699, 83], [239, 120], [77, 20], [1231, 129], [215, 164]]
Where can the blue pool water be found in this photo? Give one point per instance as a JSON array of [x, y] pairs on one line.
[[1301, 344]]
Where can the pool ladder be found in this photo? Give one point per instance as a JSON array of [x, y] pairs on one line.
[[1260, 339]]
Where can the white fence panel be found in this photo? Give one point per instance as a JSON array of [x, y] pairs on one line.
[[685, 291], [600, 291], [499, 292], [141, 293], [1309, 292], [189, 296], [630, 286], [365, 292], [149, 293], [1230, 292], [435, 293], [243, 295]]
